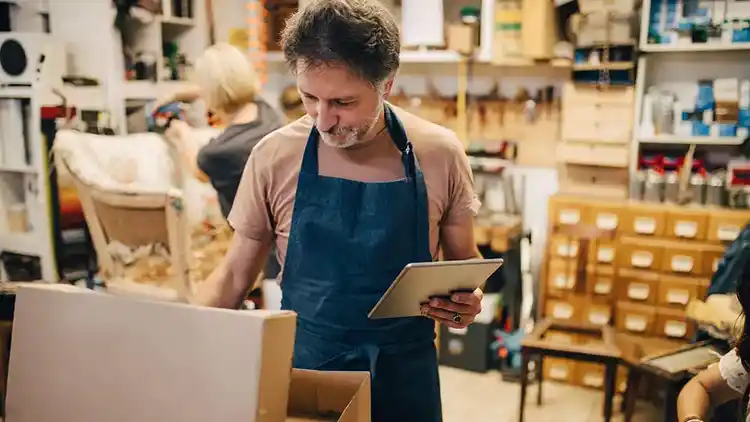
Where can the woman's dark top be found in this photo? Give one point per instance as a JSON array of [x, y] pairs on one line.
[[223, 160]]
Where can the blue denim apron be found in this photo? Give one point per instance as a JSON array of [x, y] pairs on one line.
[[348, 242]]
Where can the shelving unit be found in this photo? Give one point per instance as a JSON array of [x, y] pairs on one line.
[[673, 67], [25, 223]]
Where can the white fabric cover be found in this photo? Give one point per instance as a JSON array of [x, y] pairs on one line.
[[132, 164], [141, 163]]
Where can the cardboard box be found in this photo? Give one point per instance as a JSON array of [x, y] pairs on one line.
[[329, 396], [84, 356]]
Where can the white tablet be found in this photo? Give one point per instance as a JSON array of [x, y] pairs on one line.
[[419, 282]]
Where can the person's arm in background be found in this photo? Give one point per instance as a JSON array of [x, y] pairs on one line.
[[177, 133], [712, 387], [187, 94], [229, 284], [457, 238]]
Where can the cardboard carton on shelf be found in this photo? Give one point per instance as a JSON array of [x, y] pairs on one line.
[[79, 355]]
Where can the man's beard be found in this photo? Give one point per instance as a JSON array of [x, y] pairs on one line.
[[347, 137]]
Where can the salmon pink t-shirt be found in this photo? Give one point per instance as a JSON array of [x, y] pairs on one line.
[[263, 207]]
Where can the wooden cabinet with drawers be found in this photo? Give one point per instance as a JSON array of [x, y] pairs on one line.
[[640, 282], [592, 115]]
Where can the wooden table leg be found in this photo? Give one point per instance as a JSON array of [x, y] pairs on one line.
[[524, 382], [539, 379], [610, 377], [631, 394]]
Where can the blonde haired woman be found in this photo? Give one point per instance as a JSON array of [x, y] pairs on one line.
[[227, 83]]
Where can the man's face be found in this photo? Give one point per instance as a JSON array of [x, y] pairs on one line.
[[345, 107]]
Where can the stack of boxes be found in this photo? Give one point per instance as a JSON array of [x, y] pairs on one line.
[[662, 257]]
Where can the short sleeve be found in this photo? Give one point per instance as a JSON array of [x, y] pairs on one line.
[[250, 215], [463, 201], [733, 372]]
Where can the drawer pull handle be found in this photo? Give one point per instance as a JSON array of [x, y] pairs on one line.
[[606, 221], [638, 291], [562, 311], [686, 229], [603, 287], [682, 264], [569, 216], [675, 329], [636, 323], [644, 225], [558, 373], [593, 380], [727, 233], [642, 259], [678, 296], [599, 318], [605, 254]]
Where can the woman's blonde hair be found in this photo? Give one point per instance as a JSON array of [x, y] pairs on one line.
[[226, 77]]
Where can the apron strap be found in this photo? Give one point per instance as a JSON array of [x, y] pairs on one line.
[[395, 130]]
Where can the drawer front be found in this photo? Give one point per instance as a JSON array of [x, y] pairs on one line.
[[577, 94], [644, 220], [590, 375], [691, 226], [638, 286], [564, 247], [603, 253], [561, 277], [635, 319], [682, 260], [563, 310], [677, 292], [561, 370], [597, 314], [602, 123], [567, 211], [640, 256], [726, 226], [711, 259], [673, 325], [601, 283], [593, 154]]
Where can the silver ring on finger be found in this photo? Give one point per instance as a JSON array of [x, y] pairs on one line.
[[457, 318]]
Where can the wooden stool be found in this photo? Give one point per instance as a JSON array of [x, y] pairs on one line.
[[536, 346]]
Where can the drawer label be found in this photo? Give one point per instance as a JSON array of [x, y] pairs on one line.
[[682, 264], [569, 216], [564, 282], [635, 323], [593, 380], [606, 221], [641, 259], [644, 225], [688, 229], [459, 331], [559, 373], [605, 254], [638, 291], [727, 233], [675, 329], [599, 318], [567, 250], [678, 296], [603, 287], [562, 311]]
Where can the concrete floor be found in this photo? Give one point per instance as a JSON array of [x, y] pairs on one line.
[[468, 396]]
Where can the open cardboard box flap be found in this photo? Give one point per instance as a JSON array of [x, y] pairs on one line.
[[83, 356], [316, 395]]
